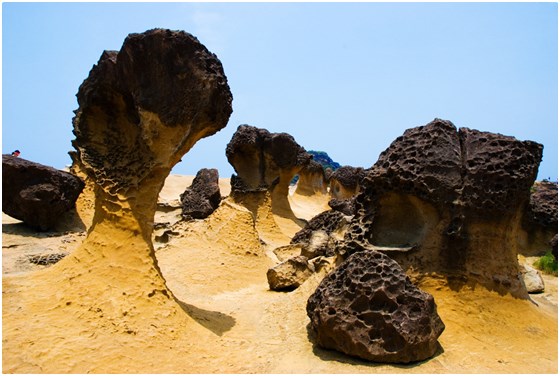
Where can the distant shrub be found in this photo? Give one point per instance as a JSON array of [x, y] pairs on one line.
[[547, 264]]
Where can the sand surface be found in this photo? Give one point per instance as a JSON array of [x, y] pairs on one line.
[[228, 320]]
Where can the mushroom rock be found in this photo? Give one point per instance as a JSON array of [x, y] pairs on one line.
[[265, 164], [448, 201], [540, 220], [345, 182], [203, 196], [368, 308], [264, 160], [36, 194], [311, 180], [140, 110]]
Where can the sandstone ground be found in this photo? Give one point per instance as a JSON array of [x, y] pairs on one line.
[[229, 321]]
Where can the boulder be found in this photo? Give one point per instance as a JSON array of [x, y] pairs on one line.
[[36, 194], [203, 196], [368, 308], [289, 274], [533, 280], [345, 182], [448, 201]]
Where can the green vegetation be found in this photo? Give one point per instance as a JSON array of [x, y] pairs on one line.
[[547, 264]]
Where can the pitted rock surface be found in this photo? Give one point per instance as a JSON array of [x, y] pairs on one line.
[[346, 207], [36, 194], [261, 158], [368, 308], [498, 171], [345, 182], [145, 106], [327, 221], [140, 110], [543, 205], [203, 196], [440, 199]]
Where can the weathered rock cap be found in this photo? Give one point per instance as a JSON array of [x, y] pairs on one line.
[[439, 163], [36, 194], [260, 158], [203, 196], [142, 108], [543, 205], [368, 308]]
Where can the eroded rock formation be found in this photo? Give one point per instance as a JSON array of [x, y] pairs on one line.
[[345, 182], [140, 110], [203, 196], [448, 201], [289, 274], [312, 180], [368, 308], [265, 161], [36, 194], [540, 221]]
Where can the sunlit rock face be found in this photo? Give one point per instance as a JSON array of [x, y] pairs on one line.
[[448, 201], [345, 182], [140, 110], [312, 180]]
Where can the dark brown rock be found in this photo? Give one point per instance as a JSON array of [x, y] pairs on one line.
[[265, 161], [327, 221], [346, 207], [443, 200], [368, 308], [160, 79], [543, 205], [540, 220], [36, 194], [345, 182], [203, 196]]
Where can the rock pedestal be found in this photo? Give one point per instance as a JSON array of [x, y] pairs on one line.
[[449, 201]]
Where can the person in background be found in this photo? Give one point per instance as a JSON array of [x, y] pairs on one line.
[[15, 153]]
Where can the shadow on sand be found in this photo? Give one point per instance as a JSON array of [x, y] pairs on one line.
[[217, 322]]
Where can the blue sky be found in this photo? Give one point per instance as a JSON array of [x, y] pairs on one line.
[[346, 78]]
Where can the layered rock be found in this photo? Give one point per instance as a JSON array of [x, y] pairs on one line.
[[540, 220], [368, 308], [203, 196], [140, 110], [448, 201], [312, 180], [36, 194]]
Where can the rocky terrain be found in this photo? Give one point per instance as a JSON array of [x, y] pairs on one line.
[[420, 263]]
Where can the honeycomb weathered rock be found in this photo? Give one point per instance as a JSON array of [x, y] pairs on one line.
[[368, 308], [448, 201]]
